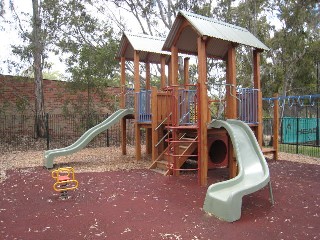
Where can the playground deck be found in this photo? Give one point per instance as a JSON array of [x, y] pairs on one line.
[[141, 204]]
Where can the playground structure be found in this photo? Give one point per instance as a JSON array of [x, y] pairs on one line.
[[65, 181], [176, 117]]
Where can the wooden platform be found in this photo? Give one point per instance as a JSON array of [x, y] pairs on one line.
[[267, 151]]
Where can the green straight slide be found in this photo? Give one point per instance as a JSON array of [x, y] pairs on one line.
[[85, 138], [224, 199]]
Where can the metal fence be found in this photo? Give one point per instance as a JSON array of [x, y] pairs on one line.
[[296, 135], [299, 123], [17, 132]]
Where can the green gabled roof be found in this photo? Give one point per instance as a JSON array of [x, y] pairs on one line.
[[150, 47], [222, 35]]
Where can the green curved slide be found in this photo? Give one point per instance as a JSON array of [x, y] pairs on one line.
[[85, 138], [224, 199]]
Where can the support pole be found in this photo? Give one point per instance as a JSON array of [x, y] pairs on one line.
[[175, 121], [163, 83], [154, 124], [148, 130], [136, 102], [202, 112], [186, 72], [275, 142], [148, 76], [123, 125], [231, 111], [257, 85], [174, 65]]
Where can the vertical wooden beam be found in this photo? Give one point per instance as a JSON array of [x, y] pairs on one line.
[[231, 111], [136, 91], [170, 73], [174, 65], [186, 72], [276, 127], [123, 125], [163, 71], [123, 82], [148, 130], [202, 112], [257, 85], [174, 117], [148, 76], [154, 123], [149, 140]]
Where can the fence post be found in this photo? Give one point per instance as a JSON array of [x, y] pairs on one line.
[[297, 141], [276, 127], [47, 130]]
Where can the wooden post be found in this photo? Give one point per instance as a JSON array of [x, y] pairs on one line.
[[202, 111], [257, 85], [169, 73], [276, 127], [149, 140], [136, 91], [123, 82], [154, 123], [123, 125], [186, 72], [163, 71], [174, 65], [231, 111], [175, 121], [123, 136], [148, 130], [148, 76]]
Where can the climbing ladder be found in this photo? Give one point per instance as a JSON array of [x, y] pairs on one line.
[[182, 132]]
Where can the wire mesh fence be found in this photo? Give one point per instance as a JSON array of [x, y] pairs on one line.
[[299, 123], [296, 135], [17, 132]]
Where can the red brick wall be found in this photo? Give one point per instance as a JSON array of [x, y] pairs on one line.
[[17, 97]]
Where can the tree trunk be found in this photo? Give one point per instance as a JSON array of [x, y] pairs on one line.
[[37, 51]]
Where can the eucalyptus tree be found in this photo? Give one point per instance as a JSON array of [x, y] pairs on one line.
[[70, 30], [90, 45], [295, 47], [33, 50]]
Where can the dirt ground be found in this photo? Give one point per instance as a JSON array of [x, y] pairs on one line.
[[119, 198]]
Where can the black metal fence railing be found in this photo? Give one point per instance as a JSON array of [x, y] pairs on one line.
[[17, 132], [296, 135]]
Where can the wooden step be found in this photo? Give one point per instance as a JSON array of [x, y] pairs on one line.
[[161, 171], [162, 165], [188, 139], [268, 150]]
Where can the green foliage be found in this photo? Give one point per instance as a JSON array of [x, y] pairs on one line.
[[72, 30], [294, 48]]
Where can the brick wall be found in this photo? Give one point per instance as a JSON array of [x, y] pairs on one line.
[[17, 97]]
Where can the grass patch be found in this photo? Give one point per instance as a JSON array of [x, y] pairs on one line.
[[312, 151]]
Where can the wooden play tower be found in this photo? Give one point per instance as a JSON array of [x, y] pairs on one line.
[[175, 116]]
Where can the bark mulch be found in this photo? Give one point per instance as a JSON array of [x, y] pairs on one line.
[[141, 204]]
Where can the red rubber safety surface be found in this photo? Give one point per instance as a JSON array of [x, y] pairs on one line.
[[141, 204]]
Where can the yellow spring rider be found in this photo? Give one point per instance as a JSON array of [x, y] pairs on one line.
[[65, 181]]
